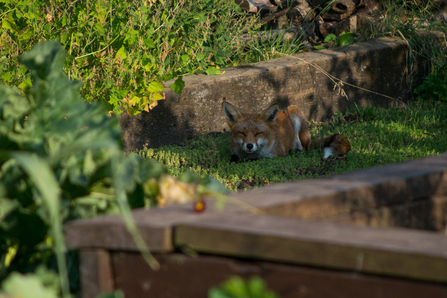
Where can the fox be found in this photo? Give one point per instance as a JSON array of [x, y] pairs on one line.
[[275, 133]]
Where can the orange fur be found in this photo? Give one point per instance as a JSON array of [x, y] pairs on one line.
[[275, 133]]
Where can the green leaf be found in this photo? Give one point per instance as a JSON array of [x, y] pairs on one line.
[[185, 59], [121, 54], [99, 27], [149, 42], [235, 286], [122, 171], [26, 286], [200, 17], [157, 96], [346, 39], [155, 87], [319, 47], [22, 70], [89, 163], [8, 23], [40, 173], [44, 180], [256, 287], [116, 294], [330, 37], [213, 71], [178, 85], [6, 205], [27, 34], [7, 76], [217, 293]]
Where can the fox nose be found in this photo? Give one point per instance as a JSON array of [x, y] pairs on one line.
[[249, 146]]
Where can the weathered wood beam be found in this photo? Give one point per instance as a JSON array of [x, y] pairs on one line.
[[390, 252]]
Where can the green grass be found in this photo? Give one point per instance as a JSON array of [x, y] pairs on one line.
[[378, 137]]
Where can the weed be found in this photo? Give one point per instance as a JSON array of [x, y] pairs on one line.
[[434, 86]]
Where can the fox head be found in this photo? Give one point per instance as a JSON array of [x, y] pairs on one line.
[[250, 132]]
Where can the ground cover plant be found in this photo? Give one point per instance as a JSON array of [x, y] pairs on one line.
[[378, 136]]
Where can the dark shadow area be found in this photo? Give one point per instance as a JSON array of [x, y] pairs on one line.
[[159, 127], [195, 275]]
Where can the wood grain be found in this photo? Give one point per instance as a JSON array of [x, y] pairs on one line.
[[390, 252], [191, 277]]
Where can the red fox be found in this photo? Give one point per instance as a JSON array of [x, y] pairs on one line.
[[275, 133]]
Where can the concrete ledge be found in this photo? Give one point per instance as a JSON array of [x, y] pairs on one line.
[[380, 65]]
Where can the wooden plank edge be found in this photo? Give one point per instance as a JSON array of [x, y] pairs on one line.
[[377, 251]]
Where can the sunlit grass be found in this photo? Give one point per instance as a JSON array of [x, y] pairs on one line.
[[378, 136]]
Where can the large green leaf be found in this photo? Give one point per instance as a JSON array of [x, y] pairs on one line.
[[122, 171], [43, 178], [346, 39], [178, 85], [26, 286]]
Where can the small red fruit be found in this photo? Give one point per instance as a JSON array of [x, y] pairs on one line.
[[199, 206]]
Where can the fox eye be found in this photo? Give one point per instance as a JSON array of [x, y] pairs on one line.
[[258, 134], [241, 133]]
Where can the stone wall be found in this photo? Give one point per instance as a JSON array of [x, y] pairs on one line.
[[380, 65]]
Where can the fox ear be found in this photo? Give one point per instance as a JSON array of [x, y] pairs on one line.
[[269, 115], [231, 113]]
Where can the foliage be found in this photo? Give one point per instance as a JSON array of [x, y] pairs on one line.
[[124, 50], [42, 283], [378, 136], [345, 39], [237, 287], [412, 21], [434, 86], [61, 158]]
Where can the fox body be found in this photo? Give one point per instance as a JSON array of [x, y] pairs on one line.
[[275, 133]]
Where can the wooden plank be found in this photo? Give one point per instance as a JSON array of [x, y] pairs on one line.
[[96, 272], [191, 277], [394, 252], [155, 225]]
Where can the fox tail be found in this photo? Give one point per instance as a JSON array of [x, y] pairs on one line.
[[335, 144]]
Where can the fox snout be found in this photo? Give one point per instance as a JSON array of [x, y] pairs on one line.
[[251, 147], [245, 146]]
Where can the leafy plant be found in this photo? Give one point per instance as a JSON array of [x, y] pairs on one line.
[[345, 39], [411, 21], [43, 283], [237, 287], [434, 86], [61, 158], [124, 51]]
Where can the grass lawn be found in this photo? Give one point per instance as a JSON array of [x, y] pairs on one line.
[[378, 136]]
